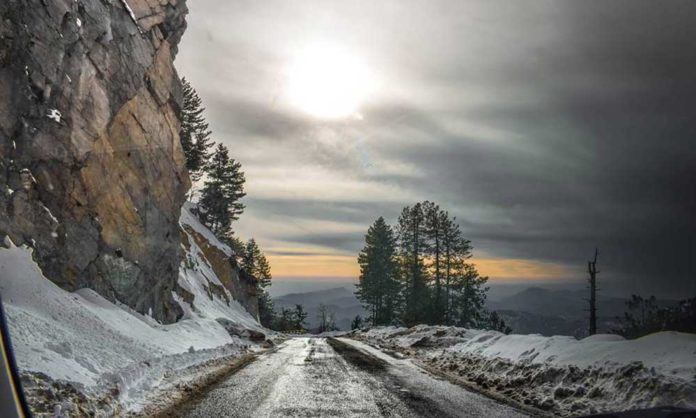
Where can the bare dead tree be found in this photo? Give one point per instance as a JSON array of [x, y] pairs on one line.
[[592, 269]]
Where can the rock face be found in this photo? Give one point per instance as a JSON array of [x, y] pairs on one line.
[[91, 168], [236, 281]]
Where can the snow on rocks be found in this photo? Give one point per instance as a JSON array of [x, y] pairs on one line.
[[98, 356], [132, 15], [557, 374], [188, 218], [54, 114]]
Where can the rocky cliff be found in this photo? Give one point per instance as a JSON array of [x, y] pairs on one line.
[[91, 168], [212, 266]]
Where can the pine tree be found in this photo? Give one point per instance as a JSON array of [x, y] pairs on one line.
[[254, 262], [469, 297], [267, 316], [285, 321], [378, 287], [357, 322], [300, 316], [412, 249], [436, 222], [496, 323], [224, 186], [236, 244], [194, 132], [456, 252]]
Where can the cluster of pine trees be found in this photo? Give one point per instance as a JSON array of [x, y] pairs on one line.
[[218, 204], [290, 319], [644, 316], [223, 179], [418, 272]]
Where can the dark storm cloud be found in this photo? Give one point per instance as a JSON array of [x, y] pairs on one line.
[[547, 129], [619, 164]]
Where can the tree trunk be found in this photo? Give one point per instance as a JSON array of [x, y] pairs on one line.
[[592, 270]]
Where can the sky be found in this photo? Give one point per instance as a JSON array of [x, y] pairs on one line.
[[548, 128]]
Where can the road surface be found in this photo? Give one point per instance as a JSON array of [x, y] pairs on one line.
[[315, 377]]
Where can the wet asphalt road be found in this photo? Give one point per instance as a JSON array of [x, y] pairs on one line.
[[313, 377]]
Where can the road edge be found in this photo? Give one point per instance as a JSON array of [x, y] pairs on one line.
[[190, 394], [457, 381]]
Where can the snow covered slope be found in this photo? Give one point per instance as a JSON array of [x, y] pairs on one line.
[[108, 351], [559, 374]]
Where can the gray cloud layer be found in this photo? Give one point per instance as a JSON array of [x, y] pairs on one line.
[[547, 127]]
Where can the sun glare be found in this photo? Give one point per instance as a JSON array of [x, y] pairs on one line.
[[327, 82]]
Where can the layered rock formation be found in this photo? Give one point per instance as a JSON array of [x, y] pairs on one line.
[[240, 285], [91, 168]]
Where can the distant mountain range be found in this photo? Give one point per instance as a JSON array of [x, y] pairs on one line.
[[340, 300], [538, 310], [534, 310]]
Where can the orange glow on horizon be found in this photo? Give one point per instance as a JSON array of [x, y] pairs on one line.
[[314, 266], [344, 266], [520, 269]]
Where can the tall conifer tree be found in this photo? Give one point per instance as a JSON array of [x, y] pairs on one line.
[[435, 225], [412, 249], [378, 288], [223, 188], [254, 262], [194, 133]]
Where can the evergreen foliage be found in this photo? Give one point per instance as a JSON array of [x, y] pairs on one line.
[[194, 133], [357, 322], [254, 262], [496, 323], [644, 317], [223, 188], [422, 274], [412, 246], [378, 287], [300, 316], [266, 310]]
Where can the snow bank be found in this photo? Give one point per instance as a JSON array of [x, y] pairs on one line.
[[559, 374], [107, 350]]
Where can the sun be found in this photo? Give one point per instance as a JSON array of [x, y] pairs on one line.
[[327, 81]]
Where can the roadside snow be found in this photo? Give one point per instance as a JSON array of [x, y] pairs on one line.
[[559, 374], [107, 350]]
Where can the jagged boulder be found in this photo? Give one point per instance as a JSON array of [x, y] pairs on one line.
[[92, 172], [239, 331]]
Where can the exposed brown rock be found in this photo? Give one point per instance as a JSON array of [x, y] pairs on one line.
[[241, 286], [91, 168]]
